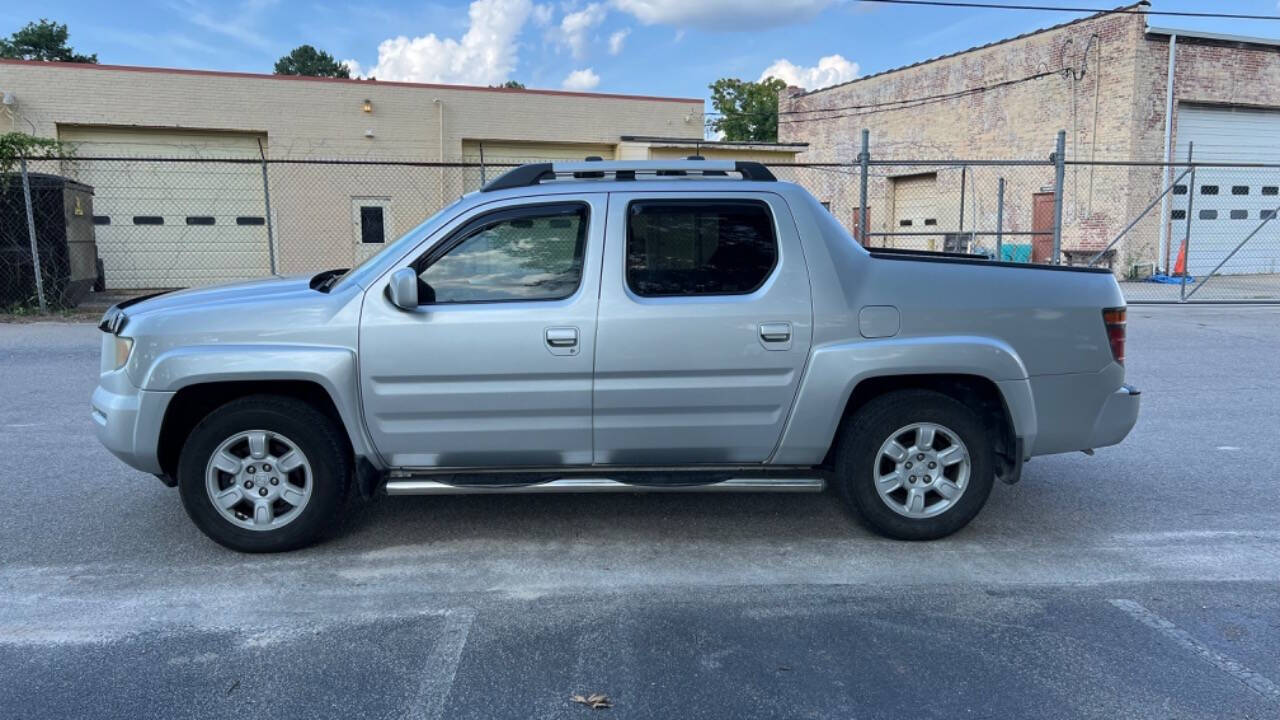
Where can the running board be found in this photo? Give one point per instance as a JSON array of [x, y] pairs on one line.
[[596, 485]]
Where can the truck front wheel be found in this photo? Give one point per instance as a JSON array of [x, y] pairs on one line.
[[915, 464], [264, 474]]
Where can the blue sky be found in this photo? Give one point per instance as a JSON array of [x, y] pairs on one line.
[[656, 47]]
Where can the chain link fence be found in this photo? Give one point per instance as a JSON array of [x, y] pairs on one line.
[[1170, 232]]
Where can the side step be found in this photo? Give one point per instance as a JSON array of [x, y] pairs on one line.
[[595, 485]]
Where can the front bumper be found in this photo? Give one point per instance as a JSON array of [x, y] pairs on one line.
[[1118, 416], [128, 422]]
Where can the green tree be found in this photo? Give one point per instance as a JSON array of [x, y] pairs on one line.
[[42, 40], [306, 60], [510, 85], [748, 111]]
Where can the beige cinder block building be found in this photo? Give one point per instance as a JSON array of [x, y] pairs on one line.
[[1103, 79], [191, 221]]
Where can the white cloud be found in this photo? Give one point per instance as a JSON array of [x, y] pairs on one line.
[[617, 39], [575, 26], [486, 54], [830, 70], [357, 70], [581, 80], [722, 14], [542, 15]]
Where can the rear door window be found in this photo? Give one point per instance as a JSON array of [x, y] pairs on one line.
[[699, 247]]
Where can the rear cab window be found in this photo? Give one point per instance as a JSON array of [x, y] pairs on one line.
[[682, 248]]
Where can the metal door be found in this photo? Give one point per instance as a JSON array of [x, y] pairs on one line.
[[486, 384], [1042, 225], [698, 379]]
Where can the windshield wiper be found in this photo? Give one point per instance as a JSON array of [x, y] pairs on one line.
[[325, 280]]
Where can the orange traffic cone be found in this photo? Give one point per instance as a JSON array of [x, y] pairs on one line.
[[1180, 266]]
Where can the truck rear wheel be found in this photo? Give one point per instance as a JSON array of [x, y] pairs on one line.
[[264, 474], [915, 464]]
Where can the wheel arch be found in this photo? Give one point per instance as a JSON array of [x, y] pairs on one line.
[[193, 402], [842, 378], [974, 391]]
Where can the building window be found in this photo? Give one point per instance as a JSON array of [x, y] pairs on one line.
[[1208, 189], [1239, 189], [904, 223], [699, 247], [1267, 215], [199, 219], [1208, 214], [930, 221], [1270, 190], [148, 220], [530, 253], [251, 220], [371, 225], [1179, 189], [1239, 214], [1179, 215], [101, 219]]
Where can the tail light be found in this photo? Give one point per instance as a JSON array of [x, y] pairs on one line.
[[1113, 318]]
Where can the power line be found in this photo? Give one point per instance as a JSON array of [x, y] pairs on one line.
[[1059, 8], [842, 111]]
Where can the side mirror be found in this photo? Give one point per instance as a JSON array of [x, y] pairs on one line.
[[403, 290]]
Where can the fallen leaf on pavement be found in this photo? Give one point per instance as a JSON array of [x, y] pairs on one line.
[[595, 701]]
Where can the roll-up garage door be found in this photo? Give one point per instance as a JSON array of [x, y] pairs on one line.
[[1229, 203], [172, 224], [915, 210]]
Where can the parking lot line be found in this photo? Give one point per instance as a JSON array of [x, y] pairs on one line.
[[441, 666], [1257, 682]]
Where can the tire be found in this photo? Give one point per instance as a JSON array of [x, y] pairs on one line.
[[901, 416], [303, 501]]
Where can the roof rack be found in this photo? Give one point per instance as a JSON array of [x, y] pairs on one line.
[[535, 173]]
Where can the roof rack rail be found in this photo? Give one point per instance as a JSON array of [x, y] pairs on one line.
[[532, 174]]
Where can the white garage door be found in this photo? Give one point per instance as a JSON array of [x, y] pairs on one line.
[[506, 151], [1229, 203], [915, 209], [172, 224]]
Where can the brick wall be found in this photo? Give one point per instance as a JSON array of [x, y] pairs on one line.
[[1014, 119]]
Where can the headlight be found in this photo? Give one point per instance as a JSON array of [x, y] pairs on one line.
[[123, 346]]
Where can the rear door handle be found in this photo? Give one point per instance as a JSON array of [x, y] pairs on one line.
[[562, 340], [775, 332]]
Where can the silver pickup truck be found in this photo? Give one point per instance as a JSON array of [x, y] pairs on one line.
[[686, 325]]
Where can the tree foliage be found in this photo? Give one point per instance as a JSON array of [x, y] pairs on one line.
[[307, 60], [15, 145], [43, 40], [510, 85], [748, 111]]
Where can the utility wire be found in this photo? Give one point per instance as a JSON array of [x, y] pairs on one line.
[[1117, 11]]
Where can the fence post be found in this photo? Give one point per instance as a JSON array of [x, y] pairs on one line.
[[964, 173], [1000, 220], [1059, 174], [266, 198], [1186, 241], [31, 232], [863, 160]]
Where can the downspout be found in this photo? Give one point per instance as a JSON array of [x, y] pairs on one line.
[[1168, 151], [440, 104]]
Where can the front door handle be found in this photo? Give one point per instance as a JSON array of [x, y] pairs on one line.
[[562, 337], [775, 332], [562, 340]]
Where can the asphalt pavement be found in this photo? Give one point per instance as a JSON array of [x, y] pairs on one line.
[[1142, 582]]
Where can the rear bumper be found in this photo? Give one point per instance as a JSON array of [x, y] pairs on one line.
[[128, 424], [1118, 416]]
